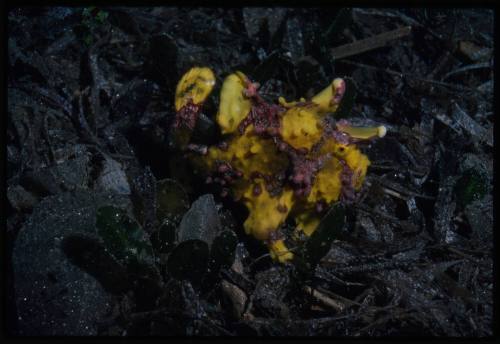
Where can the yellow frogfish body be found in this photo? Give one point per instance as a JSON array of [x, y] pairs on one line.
[[280, 161]]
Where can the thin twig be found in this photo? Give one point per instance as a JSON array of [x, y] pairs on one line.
[[413, 77], [396, 190], [393, 193], [466, 256], [340, 297], [318, 322], [407, 20], [467, 68], [369, 43], [337, 279], [325, 300]]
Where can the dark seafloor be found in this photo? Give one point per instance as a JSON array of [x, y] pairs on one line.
[[109, 232]]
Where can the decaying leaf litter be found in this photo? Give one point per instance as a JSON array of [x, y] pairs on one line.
[[110, 232]]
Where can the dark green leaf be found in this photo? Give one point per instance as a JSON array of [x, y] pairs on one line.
[[163, 239], [102, 16], [222, 255], [88, 40], [223, 250], [123, 237], [320, 241], [87, 11], [189, 260], [470, 187], [171, 200]]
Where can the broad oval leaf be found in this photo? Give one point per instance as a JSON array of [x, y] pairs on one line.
[[471, 186], [223, 250], [201, 222], [123, 237], [318, 245], [189, 260], [163, 239], [172, 200]]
